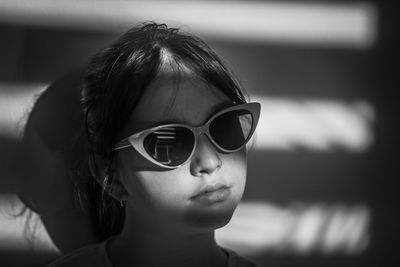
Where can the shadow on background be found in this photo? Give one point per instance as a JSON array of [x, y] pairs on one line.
[[13, 258]]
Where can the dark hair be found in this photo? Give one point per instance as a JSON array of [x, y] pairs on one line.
[[118, 76]]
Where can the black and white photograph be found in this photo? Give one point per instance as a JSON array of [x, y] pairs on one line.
[[118, 144]]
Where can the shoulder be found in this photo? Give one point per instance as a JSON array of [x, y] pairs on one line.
[[93, 255], [234, 260]]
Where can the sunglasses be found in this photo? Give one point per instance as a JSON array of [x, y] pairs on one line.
[[172, 145]]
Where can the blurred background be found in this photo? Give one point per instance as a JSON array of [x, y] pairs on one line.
[[322, 173]]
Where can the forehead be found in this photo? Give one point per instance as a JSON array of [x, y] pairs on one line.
[[168, 99]]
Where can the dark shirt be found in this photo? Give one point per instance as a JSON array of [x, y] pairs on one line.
[[96, 256]]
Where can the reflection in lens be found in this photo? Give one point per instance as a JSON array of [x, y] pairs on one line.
[[232, 129], [170, 146]]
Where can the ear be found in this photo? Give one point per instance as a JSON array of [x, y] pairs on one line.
[[107, 177]]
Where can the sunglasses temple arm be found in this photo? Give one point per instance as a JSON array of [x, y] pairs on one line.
[[124, 143]]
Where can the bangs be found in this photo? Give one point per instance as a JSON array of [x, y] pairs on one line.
[[183, 55]]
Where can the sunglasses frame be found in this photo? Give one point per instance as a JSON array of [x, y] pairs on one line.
[[136, 140]]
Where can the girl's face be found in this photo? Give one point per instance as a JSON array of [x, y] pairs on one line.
[[177, 197]]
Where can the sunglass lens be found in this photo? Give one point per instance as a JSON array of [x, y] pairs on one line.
[[231, 130], [170, 146]]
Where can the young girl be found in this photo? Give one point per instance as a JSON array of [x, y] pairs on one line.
[[167, 127]]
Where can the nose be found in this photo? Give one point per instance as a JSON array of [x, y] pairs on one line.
[[206, 159]]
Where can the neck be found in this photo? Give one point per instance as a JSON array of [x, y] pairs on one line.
[[143, 243]]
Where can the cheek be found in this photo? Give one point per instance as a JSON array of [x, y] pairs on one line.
[[234, 170], [165, 188], [160, 190]]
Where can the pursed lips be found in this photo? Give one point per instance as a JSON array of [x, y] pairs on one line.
[[210, 194]]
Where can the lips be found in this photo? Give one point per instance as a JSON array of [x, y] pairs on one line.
[[211, 194]]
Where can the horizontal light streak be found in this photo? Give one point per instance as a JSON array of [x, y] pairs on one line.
[[255, 228], [285, 123], [15, 103], [307, 23], [20, 232], [314, 124], [300, 228]]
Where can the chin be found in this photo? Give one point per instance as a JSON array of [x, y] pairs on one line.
[[211, 218]]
